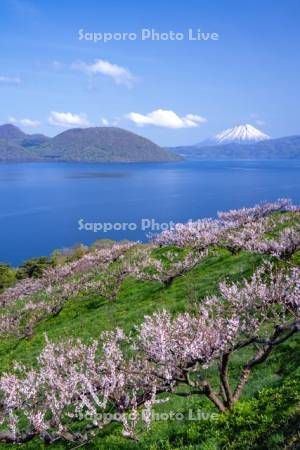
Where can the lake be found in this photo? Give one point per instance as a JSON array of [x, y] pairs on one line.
[[50, 206]]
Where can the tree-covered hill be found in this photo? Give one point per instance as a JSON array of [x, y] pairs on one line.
[[95, 144]]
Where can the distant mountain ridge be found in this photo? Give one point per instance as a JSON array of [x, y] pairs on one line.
[[95, 144], [269, 149], [9, 131]]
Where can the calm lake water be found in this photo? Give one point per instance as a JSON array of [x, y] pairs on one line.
[[41, 204]]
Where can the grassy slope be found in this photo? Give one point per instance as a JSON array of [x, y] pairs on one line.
[[270, 424]]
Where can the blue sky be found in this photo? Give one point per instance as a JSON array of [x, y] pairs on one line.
[[174, 92]]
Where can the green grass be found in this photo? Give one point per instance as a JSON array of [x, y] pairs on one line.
[[267, 416], [87, 315]]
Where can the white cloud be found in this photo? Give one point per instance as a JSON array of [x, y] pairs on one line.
[[260, 122], [57, 65], [10, 80], [104, 122], [67, 119], [257, 119], [24, 7], [25, 122], [166, 118], [120, 75], [110, 123]]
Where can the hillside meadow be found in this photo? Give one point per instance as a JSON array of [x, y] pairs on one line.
[[196, 307]]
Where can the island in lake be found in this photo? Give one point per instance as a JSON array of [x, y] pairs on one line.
[[94, 144]]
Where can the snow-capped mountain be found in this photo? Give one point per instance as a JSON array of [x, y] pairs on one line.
[[241, 134]]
